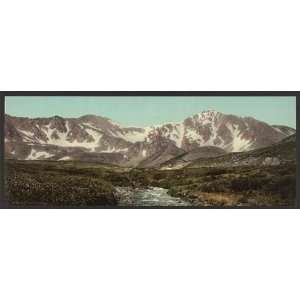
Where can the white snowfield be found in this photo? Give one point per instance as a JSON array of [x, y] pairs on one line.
[[36, 155], [238, 143], [135, 136]]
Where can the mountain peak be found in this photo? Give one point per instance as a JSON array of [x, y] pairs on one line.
[[206, 114], [88, 116], [91, 117], [208, 111], [56, 117]]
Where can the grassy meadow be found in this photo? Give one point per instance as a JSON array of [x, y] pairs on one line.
[[81, 184]]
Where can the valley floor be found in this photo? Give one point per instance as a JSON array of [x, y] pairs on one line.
[[81, 184]]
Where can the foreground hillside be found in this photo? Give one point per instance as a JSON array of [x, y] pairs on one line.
[[79, 184], [61, 184], [250, 186]]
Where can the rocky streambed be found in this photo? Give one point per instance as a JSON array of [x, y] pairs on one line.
[[151, 196]]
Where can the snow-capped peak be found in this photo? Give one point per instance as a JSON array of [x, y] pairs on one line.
[[207, 113]]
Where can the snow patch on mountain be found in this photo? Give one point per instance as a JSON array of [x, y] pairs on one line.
[[57, 138], [135, 136], [27, 133], [238, 142], [65, 158], [212, 137], [192, 135], [36, 155], [284, 129], [113, 150], [177, 134]]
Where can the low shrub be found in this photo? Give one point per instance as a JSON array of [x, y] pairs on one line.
[[63, 190]]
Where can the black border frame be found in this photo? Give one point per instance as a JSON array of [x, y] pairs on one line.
[[4, 202], [150, 93]]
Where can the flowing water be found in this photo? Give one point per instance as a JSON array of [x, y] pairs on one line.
[[153, 196]]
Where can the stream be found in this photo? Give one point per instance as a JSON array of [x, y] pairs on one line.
[[153, 196]]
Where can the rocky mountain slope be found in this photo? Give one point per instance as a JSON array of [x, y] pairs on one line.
[[95, 138], [187, 158], [274, 155]]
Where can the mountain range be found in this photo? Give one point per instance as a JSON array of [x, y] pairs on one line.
[[95, 138]]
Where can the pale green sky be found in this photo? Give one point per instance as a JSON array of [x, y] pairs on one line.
[[152, 110]]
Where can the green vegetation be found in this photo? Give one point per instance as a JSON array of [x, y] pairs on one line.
[[80, 184], [264, 186], [57, 184]]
